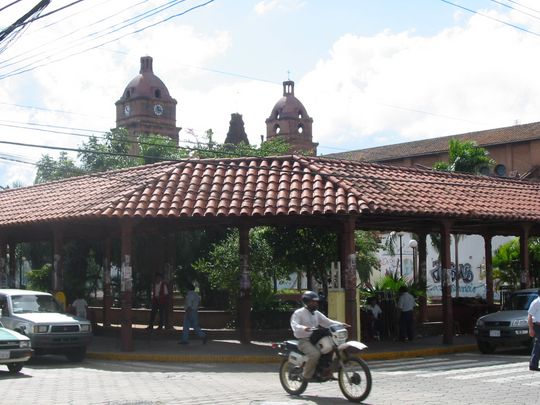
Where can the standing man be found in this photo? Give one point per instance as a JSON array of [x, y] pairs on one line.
[[406, 305], [160, 298], [303, 322], [191, 316], [81, 306], [533, 319]]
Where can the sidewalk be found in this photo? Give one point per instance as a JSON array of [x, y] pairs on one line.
[[164, 347]]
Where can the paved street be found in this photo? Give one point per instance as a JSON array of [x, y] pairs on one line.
[[450, 379]]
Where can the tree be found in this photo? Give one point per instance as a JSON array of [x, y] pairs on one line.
[[465, 157], [506, 261], [49, 169]]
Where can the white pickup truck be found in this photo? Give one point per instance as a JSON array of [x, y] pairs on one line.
[[39, 316]]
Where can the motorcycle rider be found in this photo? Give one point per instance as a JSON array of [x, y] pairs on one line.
[[303, 321]]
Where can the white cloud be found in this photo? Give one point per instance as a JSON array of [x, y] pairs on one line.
[[267, 6]]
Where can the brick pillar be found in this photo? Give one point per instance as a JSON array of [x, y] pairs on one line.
[[126, 285], [168, 276], [3, 263], [12, 264], [244, 299], [58, 262], [107, 292], [422, 275], [526, 279], [348, 259], [489, 268], [446, 287]]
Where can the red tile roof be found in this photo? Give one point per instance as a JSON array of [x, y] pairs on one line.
[[266, 187], [489, 137]]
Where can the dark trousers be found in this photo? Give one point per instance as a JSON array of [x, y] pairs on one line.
[[406, 325], [162, 310], [535, 355]]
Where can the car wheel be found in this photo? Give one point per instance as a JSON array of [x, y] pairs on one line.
[[485, 347], [14, 367], [76, 355]]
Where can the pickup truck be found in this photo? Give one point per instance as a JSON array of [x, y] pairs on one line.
[[42, 319]]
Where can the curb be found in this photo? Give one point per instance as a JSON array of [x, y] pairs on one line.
[[186, 358]]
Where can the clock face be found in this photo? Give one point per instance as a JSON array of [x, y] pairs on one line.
[[127, 110], [158, 109]]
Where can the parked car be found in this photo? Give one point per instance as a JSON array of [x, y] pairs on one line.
[[14, 349], [42, 319], [507, 327]]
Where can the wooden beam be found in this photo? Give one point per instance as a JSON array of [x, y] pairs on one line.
[[446, 287], [489, 267], [348, 259], [526, 278], [126, 284], [244, 299]]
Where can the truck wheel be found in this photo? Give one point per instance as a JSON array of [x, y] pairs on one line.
[[15, 367], [76, 355]]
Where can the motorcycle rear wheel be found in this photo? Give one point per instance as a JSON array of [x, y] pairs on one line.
[[355, 379], [290, 377]]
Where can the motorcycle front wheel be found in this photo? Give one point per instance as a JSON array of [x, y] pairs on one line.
[[290, 377], [355, 379]]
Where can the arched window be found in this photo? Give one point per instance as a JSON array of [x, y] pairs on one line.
[[300, 115], [128, 93], [277, 129], [300, 128], [157, 93]]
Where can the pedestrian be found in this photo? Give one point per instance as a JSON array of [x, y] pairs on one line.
[[406, 305], [191, 316], [160, 299], [533, 319], [81, 306], [303, 322], [376, 322]]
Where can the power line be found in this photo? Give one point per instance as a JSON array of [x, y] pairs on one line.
[[29, 67], [492, 18], [515, 9]]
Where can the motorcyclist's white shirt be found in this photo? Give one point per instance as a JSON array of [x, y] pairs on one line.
[[303, 317]]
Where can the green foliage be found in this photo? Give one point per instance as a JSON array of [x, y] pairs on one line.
[[49, 169], [40, 279], [367, 244], [506, 266], [222, 266], [465, 157]]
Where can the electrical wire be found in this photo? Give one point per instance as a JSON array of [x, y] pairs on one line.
[[30, 67], [492, 18]]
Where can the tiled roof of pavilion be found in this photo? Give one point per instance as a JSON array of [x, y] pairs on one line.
[[265, 187], [489, 137]]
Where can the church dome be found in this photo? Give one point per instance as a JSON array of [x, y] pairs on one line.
[[288, 106], [146, 84]]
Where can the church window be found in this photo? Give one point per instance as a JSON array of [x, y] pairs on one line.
[[300, 128], [128, 93], [277, 115], [277, 129], [157, 93], [300, 114]]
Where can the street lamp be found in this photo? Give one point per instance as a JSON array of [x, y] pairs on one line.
[[413, 244]]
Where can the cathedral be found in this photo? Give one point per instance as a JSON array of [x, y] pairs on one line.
[[146, 106]]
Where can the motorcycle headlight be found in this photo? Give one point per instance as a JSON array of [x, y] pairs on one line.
[[518, 323]]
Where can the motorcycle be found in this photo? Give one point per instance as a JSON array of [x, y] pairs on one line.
[[337, 357]]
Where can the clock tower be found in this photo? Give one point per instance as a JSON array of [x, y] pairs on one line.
[[146, 106]]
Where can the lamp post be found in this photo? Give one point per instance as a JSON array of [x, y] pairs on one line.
[[413, 244]]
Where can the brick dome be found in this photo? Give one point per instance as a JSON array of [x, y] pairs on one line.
[[146, 84]]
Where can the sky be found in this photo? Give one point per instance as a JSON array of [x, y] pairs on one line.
[[369, 72]]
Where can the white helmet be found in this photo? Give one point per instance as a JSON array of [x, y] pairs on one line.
[[325, 345]]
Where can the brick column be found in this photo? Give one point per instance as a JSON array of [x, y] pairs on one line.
[[244, 299], [126, 331], [422, 275], [58, 262], [107, 292], [526, 279], [489, 268], [348, 259], [448, 318]]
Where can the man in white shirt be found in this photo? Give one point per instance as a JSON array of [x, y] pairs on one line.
[[533, 319], [303, 322], [406, 305]]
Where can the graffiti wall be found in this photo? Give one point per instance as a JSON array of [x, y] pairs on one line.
[[470, 272]]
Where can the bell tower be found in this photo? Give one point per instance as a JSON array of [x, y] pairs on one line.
[[290, 121], [146, 106]]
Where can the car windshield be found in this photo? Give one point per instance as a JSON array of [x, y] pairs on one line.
[[520, 301], [34, 303]]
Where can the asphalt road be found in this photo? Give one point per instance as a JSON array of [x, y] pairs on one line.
[[450, 379]]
